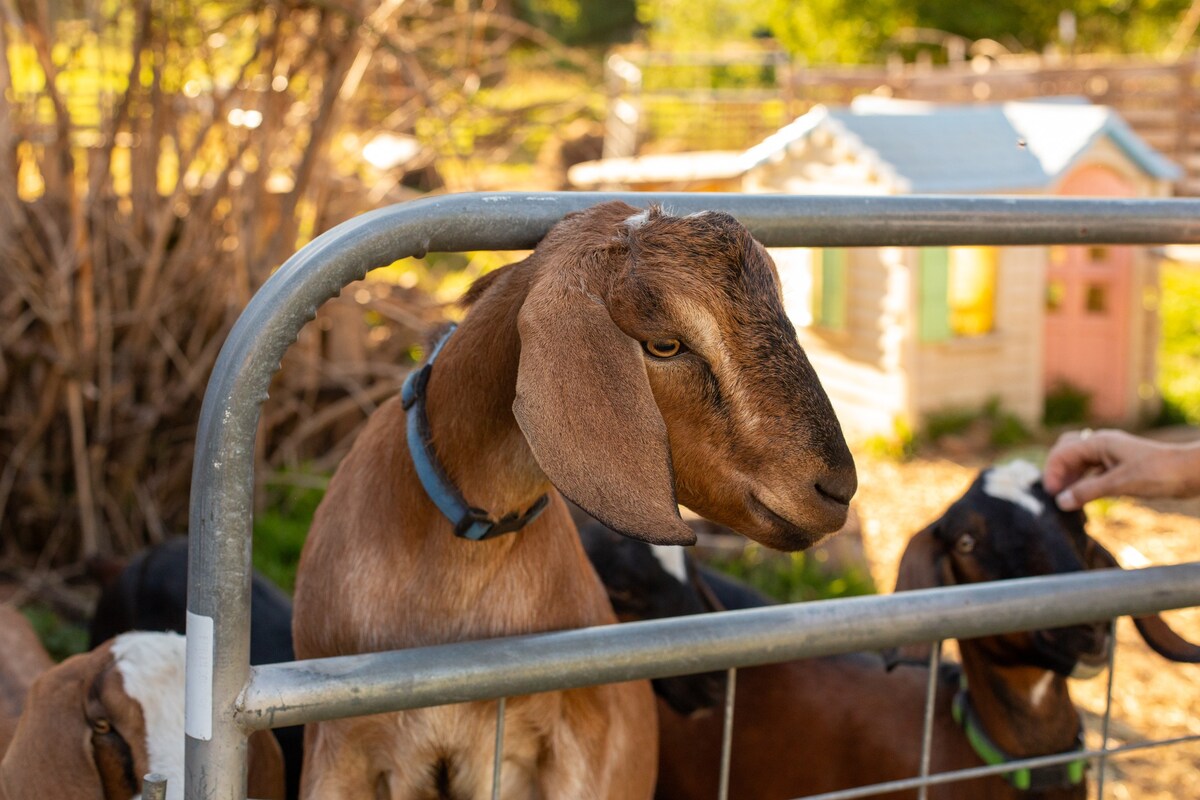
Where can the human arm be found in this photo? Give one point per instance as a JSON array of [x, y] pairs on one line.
[[1083, 466]]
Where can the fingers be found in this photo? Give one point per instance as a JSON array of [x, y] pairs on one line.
[[1092, 487], [1072, 457]]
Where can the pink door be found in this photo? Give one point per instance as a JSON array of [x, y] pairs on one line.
[[1089, 294]]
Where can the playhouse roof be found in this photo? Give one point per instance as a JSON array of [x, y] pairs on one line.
[[930, 147], [920, 147]]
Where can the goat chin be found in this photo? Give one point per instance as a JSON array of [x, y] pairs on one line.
[[1085, 671]]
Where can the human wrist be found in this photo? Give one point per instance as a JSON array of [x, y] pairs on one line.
[[1185, 465]]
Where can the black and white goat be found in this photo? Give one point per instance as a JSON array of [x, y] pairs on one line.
[[826, 724]]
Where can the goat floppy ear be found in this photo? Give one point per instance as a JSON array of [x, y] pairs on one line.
[[585, 406], [921, 567], [921, 564], [1153, 628]]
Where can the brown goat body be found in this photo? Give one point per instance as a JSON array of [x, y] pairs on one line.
[[820, 725], [550, 381]]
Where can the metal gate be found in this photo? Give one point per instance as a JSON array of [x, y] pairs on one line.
[[227, 699]]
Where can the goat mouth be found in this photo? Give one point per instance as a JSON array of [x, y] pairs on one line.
[[785, 534], [1071, 664], [1089, 665]]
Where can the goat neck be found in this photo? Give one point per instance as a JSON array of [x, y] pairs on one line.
[[469, 405], [1025, 711]]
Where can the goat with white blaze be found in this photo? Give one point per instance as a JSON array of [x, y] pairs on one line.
[[833, 723], [95, 724], [634, 361]]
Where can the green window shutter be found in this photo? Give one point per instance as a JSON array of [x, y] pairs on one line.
[[933, 287], [831, 309]]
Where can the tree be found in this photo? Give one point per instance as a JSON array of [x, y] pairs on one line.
[[864, 31]]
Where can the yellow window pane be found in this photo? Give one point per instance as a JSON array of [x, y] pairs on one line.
[[972, 290]]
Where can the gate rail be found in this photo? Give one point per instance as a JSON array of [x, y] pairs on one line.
[[226, 699]]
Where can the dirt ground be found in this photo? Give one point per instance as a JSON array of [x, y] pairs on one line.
[[1152, 698]]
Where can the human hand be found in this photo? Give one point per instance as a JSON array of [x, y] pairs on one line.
[[1085, 465]]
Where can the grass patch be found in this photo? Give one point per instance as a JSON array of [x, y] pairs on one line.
[[60, 638], [280, 530], [793, 577]]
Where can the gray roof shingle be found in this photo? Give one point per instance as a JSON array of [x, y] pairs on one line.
[[930, 148]]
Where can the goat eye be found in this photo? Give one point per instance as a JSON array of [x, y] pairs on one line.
[[663, 348], [101, 726], [965, 543]]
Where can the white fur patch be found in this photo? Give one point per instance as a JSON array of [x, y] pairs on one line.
[[638, 220], [672, 559], [1038, 693], [1013, 482], [152, 669]]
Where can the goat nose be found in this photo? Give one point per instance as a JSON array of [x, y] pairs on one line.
[[838, 485]]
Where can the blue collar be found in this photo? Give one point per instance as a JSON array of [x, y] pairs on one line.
[[469, 522]]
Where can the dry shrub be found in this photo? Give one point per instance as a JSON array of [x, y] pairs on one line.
[[157, 161]]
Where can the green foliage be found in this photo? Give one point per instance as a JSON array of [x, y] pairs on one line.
[[899, 446], [793, 577], [1179, 348], [280, 530], [1066, 404], [864, 31], [582, 22], [60, 638], [1005, 428], [998, 428], [949, 422], [698, 25], [838, 31]]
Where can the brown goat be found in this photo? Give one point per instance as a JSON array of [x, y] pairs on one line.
[[633, 361], [95, 724], [827, 724], [22, 659]]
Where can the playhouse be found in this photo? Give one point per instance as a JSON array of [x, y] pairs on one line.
[[899, 333]]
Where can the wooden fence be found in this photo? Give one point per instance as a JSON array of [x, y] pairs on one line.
[[1159, 100]]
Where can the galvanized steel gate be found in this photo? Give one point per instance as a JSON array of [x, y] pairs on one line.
[[227, 699]]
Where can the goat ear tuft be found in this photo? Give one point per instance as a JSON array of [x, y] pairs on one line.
[[585, 406]]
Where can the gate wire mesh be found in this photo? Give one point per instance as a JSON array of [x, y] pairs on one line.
[[226, 700], [924, 779]]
